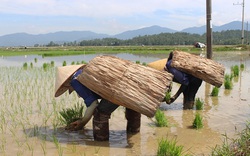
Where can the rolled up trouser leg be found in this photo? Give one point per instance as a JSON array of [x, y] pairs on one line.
[[101, 126], [133, 121]]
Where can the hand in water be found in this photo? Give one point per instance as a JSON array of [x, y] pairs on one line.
[[171, 100], [75, 126]]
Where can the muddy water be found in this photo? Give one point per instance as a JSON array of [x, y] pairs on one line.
[[225, 114]]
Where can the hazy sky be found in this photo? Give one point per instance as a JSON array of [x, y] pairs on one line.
[[113, 16]]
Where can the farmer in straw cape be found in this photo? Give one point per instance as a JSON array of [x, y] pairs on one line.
[[189, 84], [66, 80]]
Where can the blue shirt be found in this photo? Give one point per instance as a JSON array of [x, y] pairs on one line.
[[179, 76], [85, 93]]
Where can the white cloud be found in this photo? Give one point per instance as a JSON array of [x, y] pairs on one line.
[[113, 16]]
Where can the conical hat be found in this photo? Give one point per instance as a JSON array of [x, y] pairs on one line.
[[63, 75], [159, 64]]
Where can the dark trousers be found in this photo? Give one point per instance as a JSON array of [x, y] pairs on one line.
[[190, 92], [101, 120]]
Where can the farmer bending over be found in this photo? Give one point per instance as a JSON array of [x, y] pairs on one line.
[[189, 85], [66, 79]]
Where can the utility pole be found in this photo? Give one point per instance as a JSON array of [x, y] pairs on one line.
[[247, 35], [242, 25], [209, 29]]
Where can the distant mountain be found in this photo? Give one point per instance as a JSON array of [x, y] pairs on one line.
[[235, 25], [24, 39], [143, 31]]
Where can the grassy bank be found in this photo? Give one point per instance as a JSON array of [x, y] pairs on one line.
[[77, 50]]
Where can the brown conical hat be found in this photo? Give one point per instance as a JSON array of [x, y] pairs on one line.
[[63, 75], [159, 64]]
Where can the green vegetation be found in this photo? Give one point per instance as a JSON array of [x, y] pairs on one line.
[[232, 147], [242, 66], [199, 104], [228, 81], [25, 65], [137, 62], [235, 70], [161, 120], [82, 50], [198, 121], [64, 63], [169, 148], [215, 91], [70, 115], [167, 96]]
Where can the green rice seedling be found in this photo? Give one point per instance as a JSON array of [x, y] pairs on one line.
[[35, 60], [235, 70], [25, 65], [198, 121], [70, 115], [137, 62], [43, 146], [83, 62], [161, 120], [215, 91], [242, 66], [166, 147], [235, 146], [31, 64], [228, 84], [144, 63], [45, 66], [73, 63], [58, 146], [52, 63], [228, 81], [199, 104], [228, 77], [64, 63], [167, 96]]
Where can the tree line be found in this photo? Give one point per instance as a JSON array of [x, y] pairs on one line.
[[229, 37]]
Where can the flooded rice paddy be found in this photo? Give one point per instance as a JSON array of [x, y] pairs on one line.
[[30, 123]]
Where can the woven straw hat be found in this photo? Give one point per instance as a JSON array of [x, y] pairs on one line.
[[159, 64], [63, 75]]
